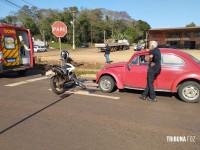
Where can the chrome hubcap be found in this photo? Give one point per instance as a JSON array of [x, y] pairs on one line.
[[105, 84], [190, 92]]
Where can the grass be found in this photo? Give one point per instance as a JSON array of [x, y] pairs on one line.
[[84, 72], [91, 67], [63, 45]]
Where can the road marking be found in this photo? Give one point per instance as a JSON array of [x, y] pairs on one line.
[[26, 81], [87, 93], [90, 83]]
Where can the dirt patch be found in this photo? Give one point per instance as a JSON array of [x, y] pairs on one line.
[[86, 56]]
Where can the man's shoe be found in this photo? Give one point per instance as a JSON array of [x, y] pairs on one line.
[[142, 97], [152, 100]]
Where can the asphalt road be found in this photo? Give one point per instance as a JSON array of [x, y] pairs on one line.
[[33, 118]]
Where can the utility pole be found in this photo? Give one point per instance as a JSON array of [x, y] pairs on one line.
[[147, 33], [73, 25], [104, 36], [44, 38]]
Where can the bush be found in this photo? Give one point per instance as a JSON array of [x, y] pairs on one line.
[[63, 45]]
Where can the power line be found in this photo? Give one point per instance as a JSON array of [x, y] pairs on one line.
[[29, 3], [13, 4], [7, 3], [10, 4]]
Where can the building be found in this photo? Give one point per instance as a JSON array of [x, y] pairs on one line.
[[184, 38]]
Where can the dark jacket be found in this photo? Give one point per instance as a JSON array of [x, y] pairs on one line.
[[156, 60], [107, 51]]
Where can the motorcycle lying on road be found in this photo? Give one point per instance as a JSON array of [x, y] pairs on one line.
[[63, 77]]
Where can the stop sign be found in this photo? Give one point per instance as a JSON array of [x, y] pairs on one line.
[[59, 29]]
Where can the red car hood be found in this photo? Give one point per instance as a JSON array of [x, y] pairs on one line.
[[115, 65]]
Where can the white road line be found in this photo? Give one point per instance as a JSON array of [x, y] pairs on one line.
[[90, 94], [95, 95], [90, 83], [26, 81]]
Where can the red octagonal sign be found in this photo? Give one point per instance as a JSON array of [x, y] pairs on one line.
[[59, 29]]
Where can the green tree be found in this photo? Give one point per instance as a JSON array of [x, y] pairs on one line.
[[83, 24], [96, 25], [28, 23], [116, 21], [131, 34], [90, 25], [192, 24], [142, 27], [28, 19], [10, 19]]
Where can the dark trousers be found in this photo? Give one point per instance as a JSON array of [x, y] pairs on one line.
[[149, 90]]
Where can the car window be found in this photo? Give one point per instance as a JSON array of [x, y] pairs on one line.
[[171, 60], [195, 59], [143, 60], [9, 43], [135, 60]]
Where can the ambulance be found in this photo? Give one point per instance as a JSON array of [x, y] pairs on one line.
[[16, 49]]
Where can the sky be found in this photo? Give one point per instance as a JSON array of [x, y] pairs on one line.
[[157, 13]]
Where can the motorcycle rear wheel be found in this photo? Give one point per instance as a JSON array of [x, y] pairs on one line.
[[55, 86]]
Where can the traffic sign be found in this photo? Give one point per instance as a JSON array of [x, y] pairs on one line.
[[59, 29]]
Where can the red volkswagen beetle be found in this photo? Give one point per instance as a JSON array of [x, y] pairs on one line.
[[180, 72]]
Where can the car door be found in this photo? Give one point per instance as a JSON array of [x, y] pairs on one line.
[[136, 72], [10, 51], [172, 67]]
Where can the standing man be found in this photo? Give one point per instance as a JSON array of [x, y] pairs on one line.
[[153, 70], [107, 53]]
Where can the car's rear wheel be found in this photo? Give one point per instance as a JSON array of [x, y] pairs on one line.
[[189, 92], [107, 84]]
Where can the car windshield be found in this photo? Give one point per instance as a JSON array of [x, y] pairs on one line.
[[195, 59]]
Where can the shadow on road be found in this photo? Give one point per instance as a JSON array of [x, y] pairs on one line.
[[35, 113], [164, 94], [38, 69]]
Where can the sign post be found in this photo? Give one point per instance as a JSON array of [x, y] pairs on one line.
[[59, 29]]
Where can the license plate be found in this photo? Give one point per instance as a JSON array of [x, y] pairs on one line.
[[10, 60]]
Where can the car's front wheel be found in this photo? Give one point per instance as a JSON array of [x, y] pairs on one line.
[[106, 84], [189, 92]]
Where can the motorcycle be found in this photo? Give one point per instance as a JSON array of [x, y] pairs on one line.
[[63, 77]]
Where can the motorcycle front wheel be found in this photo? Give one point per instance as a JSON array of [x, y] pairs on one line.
[[55, 85], [78, 82]]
